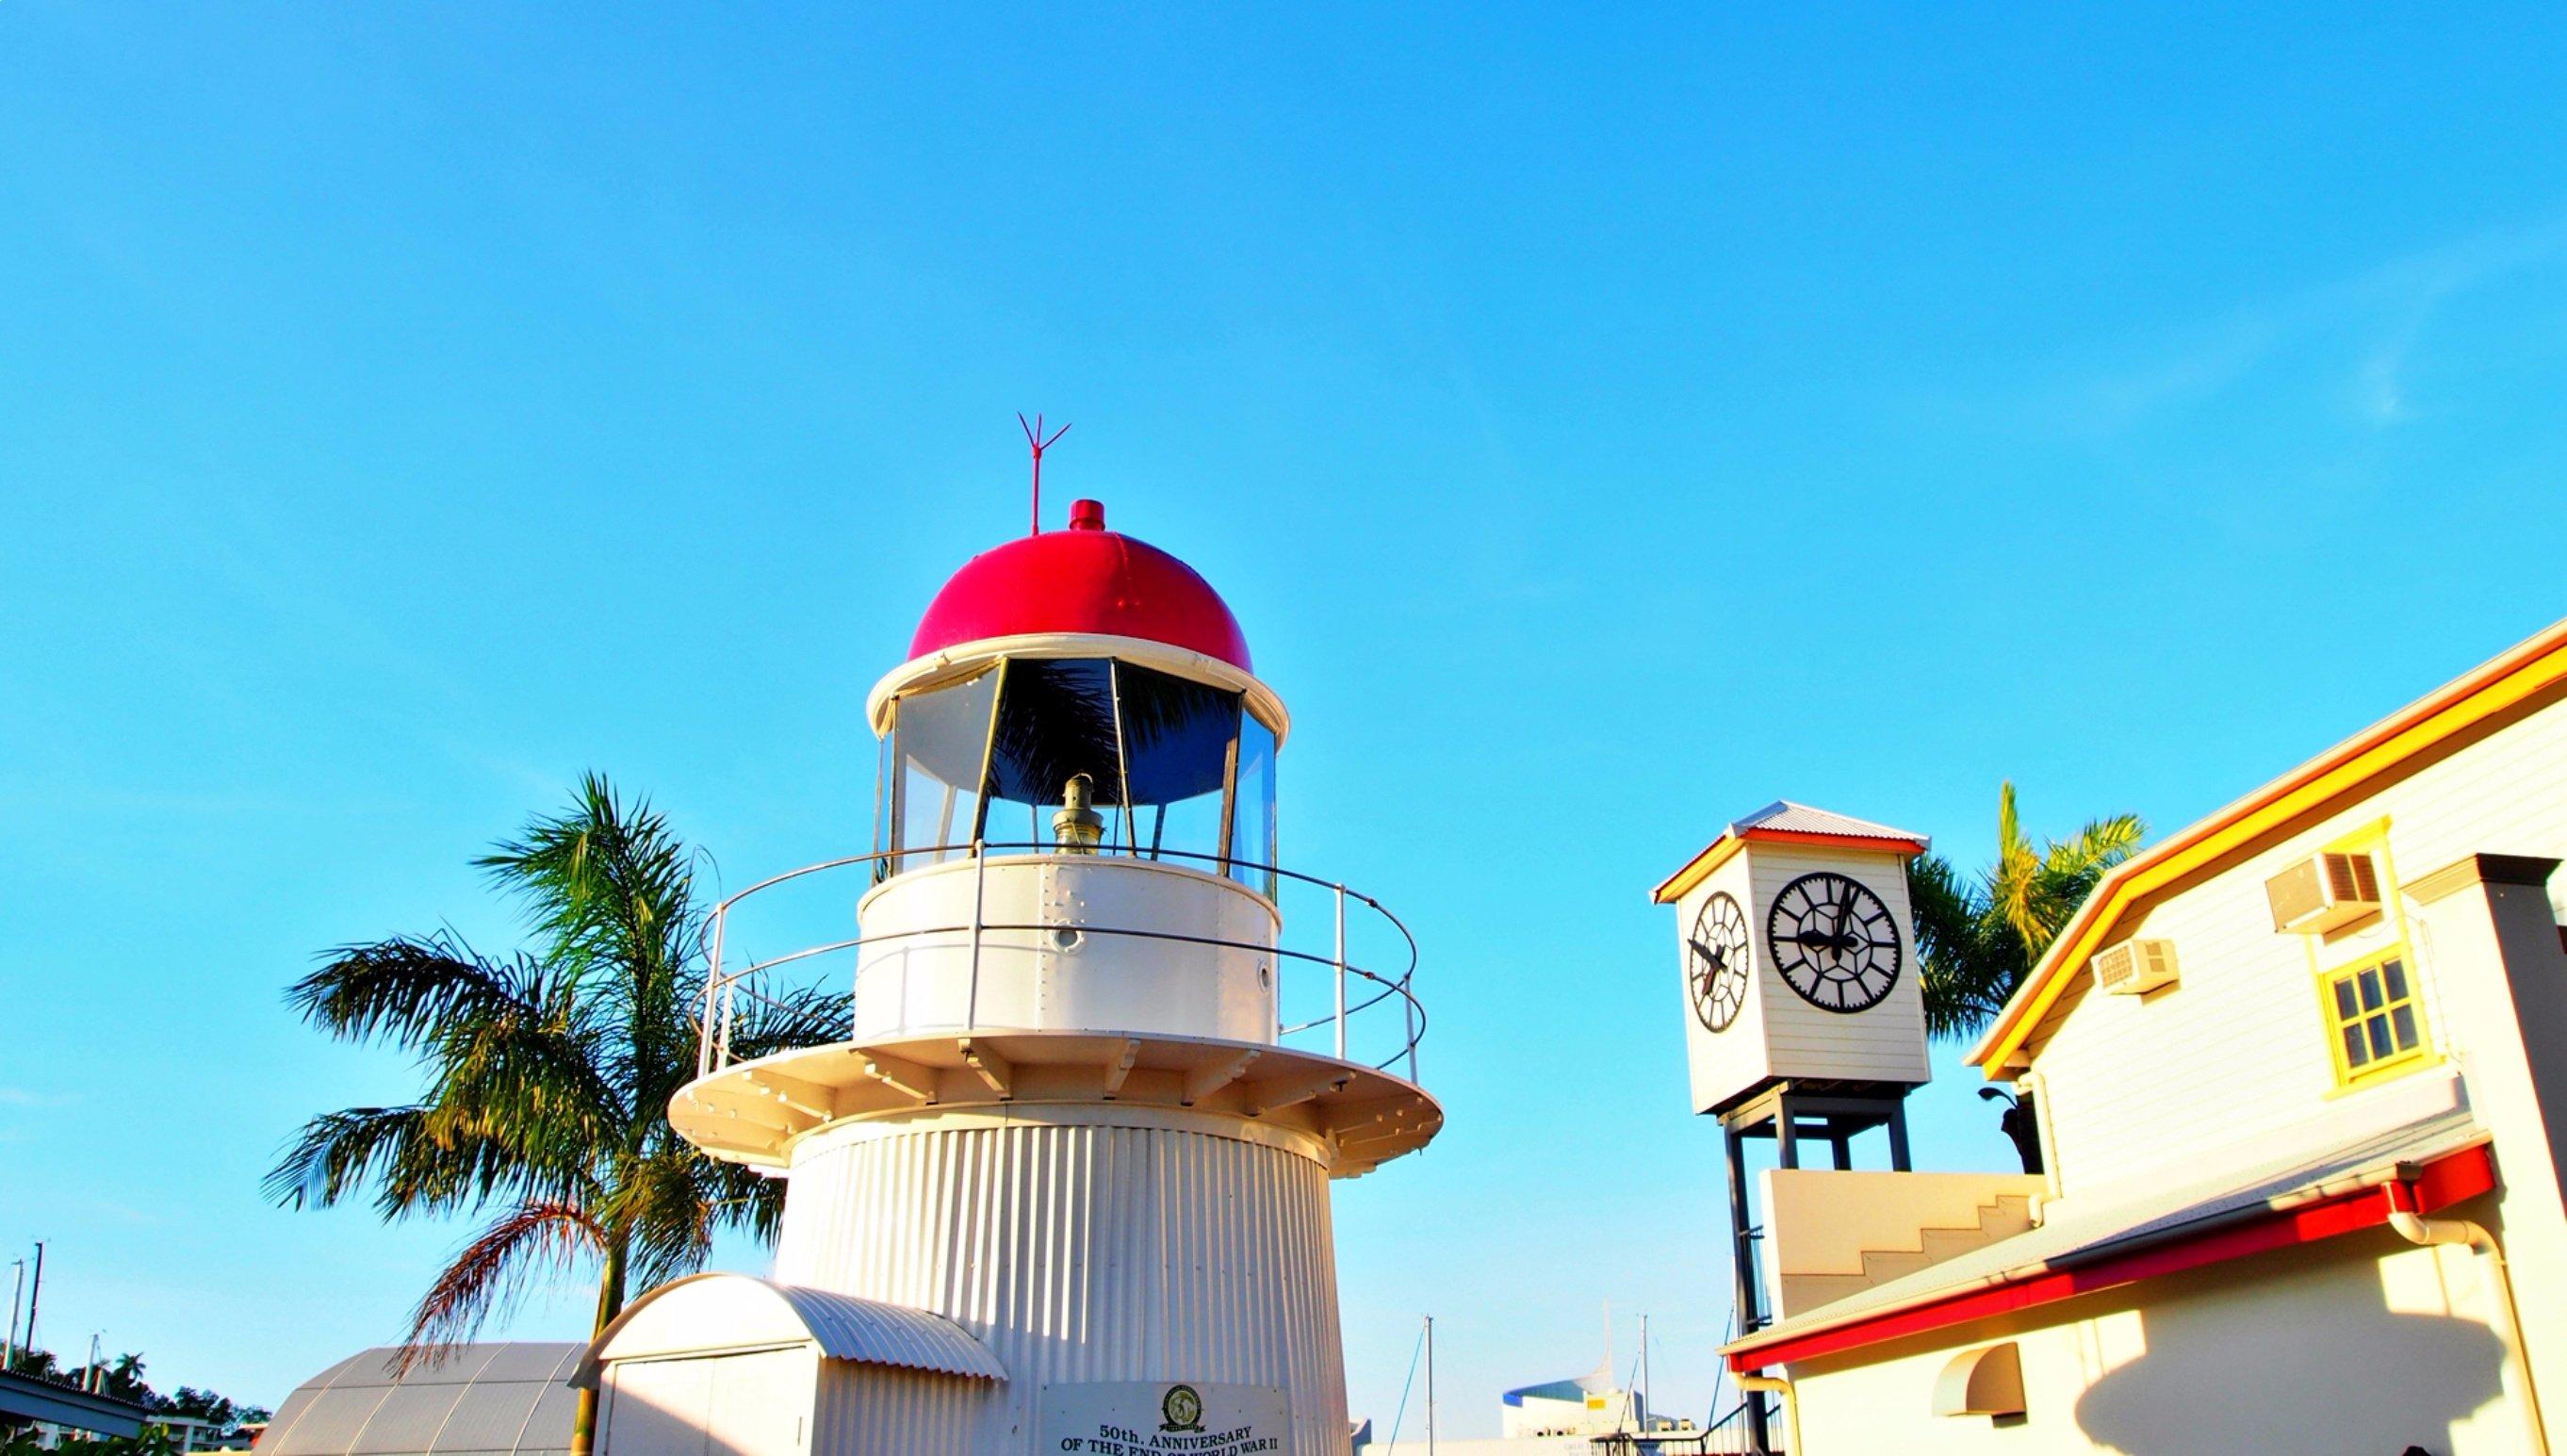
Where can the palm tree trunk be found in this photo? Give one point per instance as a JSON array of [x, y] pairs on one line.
[[610, 1302]]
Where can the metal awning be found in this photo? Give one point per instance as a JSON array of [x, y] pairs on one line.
[[27, 1399], [710, 1313]]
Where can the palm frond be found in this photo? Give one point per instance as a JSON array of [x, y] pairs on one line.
[[666, 1207], [408, 991], [2107, 842], [337, 1151], [1977, 942], [782, 1020], [487, 1275], [606, 881], [547, 1076]]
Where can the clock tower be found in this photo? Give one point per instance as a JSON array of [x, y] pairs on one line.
[[1805, 1018]]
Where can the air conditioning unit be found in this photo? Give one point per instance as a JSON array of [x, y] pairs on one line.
[[2134, 966], [2323, 892]]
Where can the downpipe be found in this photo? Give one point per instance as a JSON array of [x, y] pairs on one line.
[[2417, 1229], [1781, 1385]]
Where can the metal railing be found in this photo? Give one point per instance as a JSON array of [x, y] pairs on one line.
[[725, 987]]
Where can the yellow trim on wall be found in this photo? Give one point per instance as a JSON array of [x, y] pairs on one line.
[[1698, 869], [2534, 667]]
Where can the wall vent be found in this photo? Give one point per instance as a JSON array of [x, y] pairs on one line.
[[2323, 892], [2134, 966]]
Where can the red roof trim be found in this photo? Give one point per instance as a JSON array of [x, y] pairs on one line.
[[2446, 1180], [1881, 843]]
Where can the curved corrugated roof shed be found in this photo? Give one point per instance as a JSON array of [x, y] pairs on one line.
[[709, 1311], [495, 1399]]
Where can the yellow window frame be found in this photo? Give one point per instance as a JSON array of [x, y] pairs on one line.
[[2397, 1059], [2373, 839]]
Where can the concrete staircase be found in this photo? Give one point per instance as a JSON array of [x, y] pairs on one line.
[[2007, 1216]]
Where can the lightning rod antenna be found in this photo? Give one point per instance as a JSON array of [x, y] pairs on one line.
[[1038, 441]]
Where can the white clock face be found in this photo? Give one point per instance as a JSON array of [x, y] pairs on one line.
[[1716, 953], [1834, 941]]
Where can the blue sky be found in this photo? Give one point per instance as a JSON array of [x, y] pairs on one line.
[[1603, 424]]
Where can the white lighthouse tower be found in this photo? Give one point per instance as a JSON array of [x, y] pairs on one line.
[[1060, 1181]]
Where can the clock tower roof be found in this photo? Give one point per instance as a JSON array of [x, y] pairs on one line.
[[1786, 822]]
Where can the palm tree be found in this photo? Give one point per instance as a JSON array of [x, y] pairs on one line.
[[547, 1077], [1978, 938]]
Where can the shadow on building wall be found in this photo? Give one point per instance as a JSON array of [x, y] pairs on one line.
[[2337, 1379]]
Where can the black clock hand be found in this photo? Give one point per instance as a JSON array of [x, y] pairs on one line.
[[1708, 952]]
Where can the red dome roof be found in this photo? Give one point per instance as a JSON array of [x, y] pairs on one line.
[[1084, 579]]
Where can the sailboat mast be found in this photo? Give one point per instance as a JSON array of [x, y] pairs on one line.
[[1642, 1417], [1430, 1385]]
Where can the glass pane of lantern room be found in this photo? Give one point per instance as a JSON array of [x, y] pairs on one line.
[[1177, 738], [1055, 724], [939, 739], [1252, 834]]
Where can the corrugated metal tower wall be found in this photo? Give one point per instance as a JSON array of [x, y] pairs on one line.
[[1086, 1243]]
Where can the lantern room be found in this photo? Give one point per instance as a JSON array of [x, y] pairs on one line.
[[1020, 750], [1076, 761], [1078, 691]]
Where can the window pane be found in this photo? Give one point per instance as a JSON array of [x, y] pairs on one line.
[[1252, 834], [2380, 1045], [1177, 738], [2402, 1021], [2354, 1056], [1055, 723], [2370, 989], [2396, 973], [938, 737], [2344, 1009], [882, 793]]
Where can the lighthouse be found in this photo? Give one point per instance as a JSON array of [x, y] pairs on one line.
[[1059, 1179]]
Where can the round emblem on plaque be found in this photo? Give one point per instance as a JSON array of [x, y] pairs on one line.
[[1183, 1409]]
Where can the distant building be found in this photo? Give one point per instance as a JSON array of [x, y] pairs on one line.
[[1584, 1415], [1582, 1406], [2300, 1076], [188, 1433]]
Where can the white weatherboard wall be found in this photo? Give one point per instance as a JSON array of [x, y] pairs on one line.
[[1776, 1033], [2363, 1344], [1087, 1244], [2239, 1048]]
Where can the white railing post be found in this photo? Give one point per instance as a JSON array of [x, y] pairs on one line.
[[712, 980], [730, 1009], [979, 891], [1408, 1013], [1341, 972]]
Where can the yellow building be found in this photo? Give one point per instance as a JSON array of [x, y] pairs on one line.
[[2301, 1077]]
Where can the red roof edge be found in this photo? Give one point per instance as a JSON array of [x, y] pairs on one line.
[[2446, 1180], [1881, 843]]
